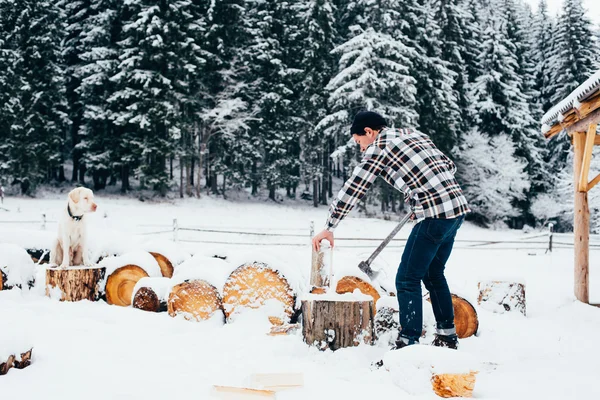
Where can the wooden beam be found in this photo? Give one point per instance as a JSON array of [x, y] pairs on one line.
[[587, 157], [582, 126], [593, 182], [581, 224]]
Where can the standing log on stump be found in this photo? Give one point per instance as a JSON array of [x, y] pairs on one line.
[[465, 317], [166, 267], [348, 284], [196, 300], [332, 324], [501, 297], [251, 285], [150, 294], [320, 272], [120, 284], [74, 283]]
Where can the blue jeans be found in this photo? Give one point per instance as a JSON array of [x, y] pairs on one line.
[[427, 249]]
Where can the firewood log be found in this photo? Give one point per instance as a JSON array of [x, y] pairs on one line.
[[151, 294], [251, 285], [501, 297], [120, 284], [465, 317], [74, 283], [24, 361], [454, 385], [331, 324], [6, 365], [348, 284], [166, 267], [196, 300], [2, 279]]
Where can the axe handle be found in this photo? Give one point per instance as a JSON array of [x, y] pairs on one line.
[[388, 239]]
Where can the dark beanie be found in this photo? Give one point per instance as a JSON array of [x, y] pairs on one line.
[[366, 119]]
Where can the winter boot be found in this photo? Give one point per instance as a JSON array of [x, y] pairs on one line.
[[448, 341]]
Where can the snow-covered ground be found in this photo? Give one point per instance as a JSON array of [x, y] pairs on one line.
[[92, 350]]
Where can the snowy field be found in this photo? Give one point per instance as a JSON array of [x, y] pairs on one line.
[[93, 351]]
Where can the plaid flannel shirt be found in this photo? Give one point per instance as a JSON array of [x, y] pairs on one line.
[[410, 162]]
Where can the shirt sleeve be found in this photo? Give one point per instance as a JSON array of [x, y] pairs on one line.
[[356, 186]]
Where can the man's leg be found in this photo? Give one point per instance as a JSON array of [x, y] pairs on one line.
[[435, 282], [416, 258]]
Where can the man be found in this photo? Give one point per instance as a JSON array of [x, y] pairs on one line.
[[410, 162]]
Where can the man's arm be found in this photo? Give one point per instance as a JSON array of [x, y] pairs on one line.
[[356, 186]]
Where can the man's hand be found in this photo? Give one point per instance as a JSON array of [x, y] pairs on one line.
[[324, 234]]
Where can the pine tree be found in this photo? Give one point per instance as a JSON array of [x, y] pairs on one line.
[[490, 190], [543, 44], [576, 53]]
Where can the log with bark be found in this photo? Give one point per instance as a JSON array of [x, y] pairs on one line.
[[465, 317], [502, 296], [196, 300], [332, 324], [166, 267], [74, 283], [252, 285], [151, 294], [120, 284], [18, 361]]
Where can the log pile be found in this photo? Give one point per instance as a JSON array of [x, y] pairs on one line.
[[74, 283]]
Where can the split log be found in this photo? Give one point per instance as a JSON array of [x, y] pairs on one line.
[[454, 385], [277, 381], [196, 300], [348, 284], [120, 284], [166, 267], [252, 285], [500, 297], [320, 272], [74, 283], [242, 393], [465, 317], [285, 329], [150, 294], [330, 324], [6, 365]]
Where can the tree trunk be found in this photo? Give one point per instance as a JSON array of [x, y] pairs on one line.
[[193, 166], [189, 178], [254, 179], [315, 192], [213, 183], [271, 192], [171, 167], [333, 325], [74, 283], [124, 178], [181, 166], [224, 185]]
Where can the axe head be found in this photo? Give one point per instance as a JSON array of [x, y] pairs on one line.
[[366, 268]]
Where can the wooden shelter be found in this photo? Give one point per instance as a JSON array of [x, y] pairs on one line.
[[579, 115]]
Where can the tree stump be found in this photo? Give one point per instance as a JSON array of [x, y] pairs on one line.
[[454, 385], [465, 317], [166, 267], [331, 324], [196, 300], [348, 284], [74, 283], [252, 285], [501, 297], [120, 284]]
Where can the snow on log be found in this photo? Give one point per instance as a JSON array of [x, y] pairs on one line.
[[502, 296], [150, 294], [465, 316], [16, 267], [168, 254], [196, 300], [420, 369], [123, 273], [348, 284], [333, 321], [253, 285], [386, 321], [74, 283]]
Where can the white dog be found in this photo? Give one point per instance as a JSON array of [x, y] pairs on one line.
[[70, 246]]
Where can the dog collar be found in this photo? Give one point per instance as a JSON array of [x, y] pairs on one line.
[[75, 217]]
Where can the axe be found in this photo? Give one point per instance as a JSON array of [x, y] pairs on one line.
[[365, 266]]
